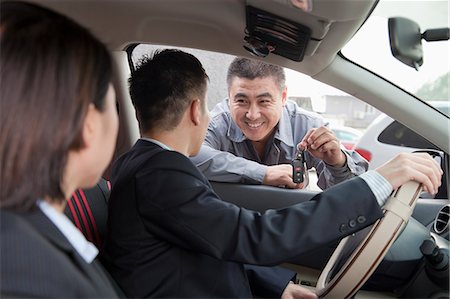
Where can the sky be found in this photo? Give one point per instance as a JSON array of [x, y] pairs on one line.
[[299, 84], [428, 14], [378, 57]]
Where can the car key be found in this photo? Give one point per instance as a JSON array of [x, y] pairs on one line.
[[298, 167]]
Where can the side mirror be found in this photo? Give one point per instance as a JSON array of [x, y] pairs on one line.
[[405, 39]]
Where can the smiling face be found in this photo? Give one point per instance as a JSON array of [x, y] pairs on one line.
[[256, 106]]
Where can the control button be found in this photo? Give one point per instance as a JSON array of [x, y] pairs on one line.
[[343, 228], [361, 219], [352, 223]]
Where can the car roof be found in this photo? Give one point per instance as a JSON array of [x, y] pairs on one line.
[[190, 23]]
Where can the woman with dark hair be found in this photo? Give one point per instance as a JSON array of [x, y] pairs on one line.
[[58, 129]]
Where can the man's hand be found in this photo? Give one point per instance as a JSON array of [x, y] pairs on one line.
[[323, 144], [294, 291], [280, 175], [419, 167]]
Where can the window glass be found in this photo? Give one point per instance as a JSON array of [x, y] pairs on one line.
[[348, 116], [431, 81], [336, 106], [215, 65], [398, 134]]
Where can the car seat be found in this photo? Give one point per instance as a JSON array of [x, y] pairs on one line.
[[88, 210]]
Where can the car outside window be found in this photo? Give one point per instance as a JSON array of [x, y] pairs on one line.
[[339, 109], [398, 134], [345, 135]]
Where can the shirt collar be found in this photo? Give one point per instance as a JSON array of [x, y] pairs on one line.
[[83, 247], [157, 142], [283, 130]]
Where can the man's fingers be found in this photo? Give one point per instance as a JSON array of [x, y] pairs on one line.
[[280, 175], [428, 176], [419, 167], [304, 143], [324, 141], [427, 172], [329, 145], [309, 133], [302, 146], [292, 185]]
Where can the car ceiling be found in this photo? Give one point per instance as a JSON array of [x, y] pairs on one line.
[[213, 25]]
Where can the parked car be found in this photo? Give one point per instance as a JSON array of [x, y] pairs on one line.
[[348, 136], [386, 137], [325, 41]]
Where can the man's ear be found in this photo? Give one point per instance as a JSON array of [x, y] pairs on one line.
[[195, 111], [284, 96]]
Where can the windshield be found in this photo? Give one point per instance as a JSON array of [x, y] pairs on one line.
[[430, 82]]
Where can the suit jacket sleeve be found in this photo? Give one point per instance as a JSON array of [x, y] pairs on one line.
[[182, 208], [268, 282]]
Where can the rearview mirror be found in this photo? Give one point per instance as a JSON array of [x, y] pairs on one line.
[[405, 39]]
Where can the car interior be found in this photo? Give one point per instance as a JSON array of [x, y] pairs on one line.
[[305, 36]]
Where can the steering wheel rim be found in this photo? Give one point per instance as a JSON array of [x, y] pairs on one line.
[[359, 255]]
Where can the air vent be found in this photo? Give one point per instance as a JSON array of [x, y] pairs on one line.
[[281, 36], [442, 220]]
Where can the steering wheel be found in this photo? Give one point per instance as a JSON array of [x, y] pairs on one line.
[[358, 255]]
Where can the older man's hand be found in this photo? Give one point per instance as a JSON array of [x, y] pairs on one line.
[[324, 145], [280, 175]]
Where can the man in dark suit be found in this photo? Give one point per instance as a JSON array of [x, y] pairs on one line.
[[170, 235]]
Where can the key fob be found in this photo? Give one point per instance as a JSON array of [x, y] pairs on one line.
[[298, 167]]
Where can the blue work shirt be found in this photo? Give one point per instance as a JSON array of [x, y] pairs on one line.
[[228, 156]]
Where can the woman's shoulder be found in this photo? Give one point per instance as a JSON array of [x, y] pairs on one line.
[[31, 265]]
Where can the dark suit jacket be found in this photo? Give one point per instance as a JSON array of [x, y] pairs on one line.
[[171, 236], [38, 261]]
